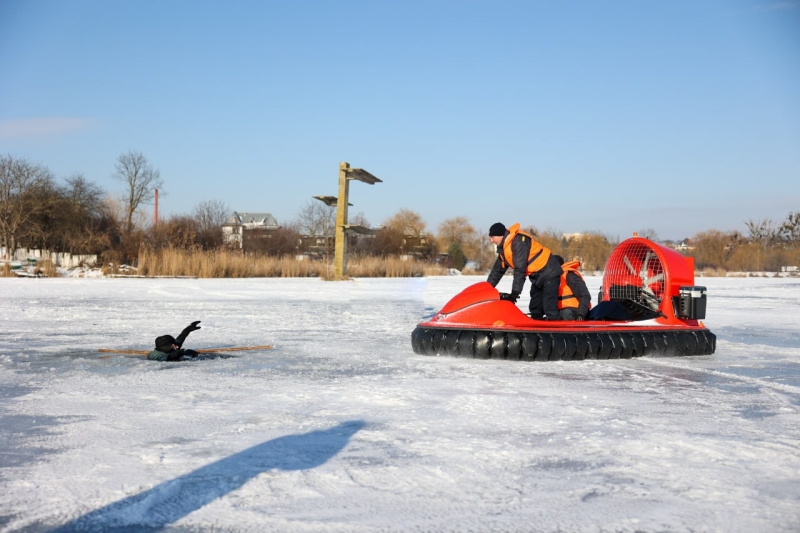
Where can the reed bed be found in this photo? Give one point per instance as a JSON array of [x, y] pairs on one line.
[[229, 264], [47, 268], [713, 273], [44, 267], [391, 267]]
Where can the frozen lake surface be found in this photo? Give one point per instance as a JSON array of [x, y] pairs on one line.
[[341, 427]]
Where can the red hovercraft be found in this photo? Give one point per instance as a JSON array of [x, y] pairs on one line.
[[649, 306]]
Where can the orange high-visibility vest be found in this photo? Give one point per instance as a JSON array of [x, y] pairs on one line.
[[565, 296], [537, 258]]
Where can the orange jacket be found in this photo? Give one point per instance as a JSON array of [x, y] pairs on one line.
[[572, 292], [566, 298], [537, 257]]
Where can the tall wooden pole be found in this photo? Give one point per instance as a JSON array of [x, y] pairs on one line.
[[342, 201], [340, 243], [155, 216]]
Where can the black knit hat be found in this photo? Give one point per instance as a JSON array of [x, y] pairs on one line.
[[559, 259], [164, 343], [497, 230]]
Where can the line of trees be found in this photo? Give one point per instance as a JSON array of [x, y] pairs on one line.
[[767, 247], [78, 217]]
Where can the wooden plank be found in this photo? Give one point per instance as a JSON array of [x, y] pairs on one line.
[[133, 352], [233, 349], [205, 350]]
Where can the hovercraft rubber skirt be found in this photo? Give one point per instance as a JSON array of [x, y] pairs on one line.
[[558, 345]]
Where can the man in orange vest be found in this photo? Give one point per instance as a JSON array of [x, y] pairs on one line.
[[527, 257], [574, 299]]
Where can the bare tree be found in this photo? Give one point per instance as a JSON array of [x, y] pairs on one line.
[[711, 249], [551, 239], [455, 230], [790, 230], [81, 212], [410, 227], [43, 199], [72, 224], [210, 216], [141, 180], [358, 220], [179, 232], [763, 232], [387, 241], [83, 194], [486, 252], [316, 218], [592, 249], [459, 231], [649, 234], [407, 222], [113, 222], [21, 187]]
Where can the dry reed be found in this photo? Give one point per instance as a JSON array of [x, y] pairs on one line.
[[44, 267], [231, 264], [47, 268], [713, 273]]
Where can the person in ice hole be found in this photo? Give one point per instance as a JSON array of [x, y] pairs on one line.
[[168, 348]]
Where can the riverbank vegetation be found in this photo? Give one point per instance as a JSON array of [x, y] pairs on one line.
[[75, 216]]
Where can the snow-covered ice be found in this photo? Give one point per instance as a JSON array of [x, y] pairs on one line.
[[341, 427]]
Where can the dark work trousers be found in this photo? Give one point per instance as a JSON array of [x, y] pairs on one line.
[[544, 291], [544, 300]]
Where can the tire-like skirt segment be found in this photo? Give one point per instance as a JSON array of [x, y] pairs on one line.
[[560, 346]]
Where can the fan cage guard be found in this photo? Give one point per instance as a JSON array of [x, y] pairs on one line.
[[635, 271]]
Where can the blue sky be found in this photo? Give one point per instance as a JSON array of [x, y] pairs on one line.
[[572, 116]]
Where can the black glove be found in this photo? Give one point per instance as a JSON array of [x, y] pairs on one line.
[[511, 297], [580, 317], [185, 333]]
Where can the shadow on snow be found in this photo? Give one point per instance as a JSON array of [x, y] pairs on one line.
[[172, 500]]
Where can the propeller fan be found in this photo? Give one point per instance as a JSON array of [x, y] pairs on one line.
[[651, 277]]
